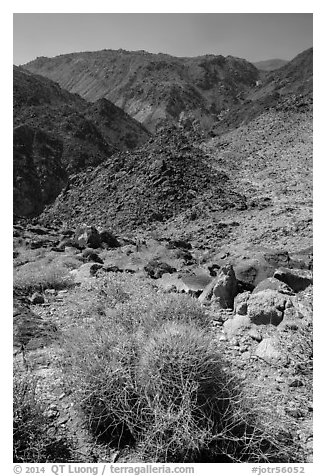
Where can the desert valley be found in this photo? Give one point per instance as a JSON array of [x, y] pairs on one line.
[[163, 258]]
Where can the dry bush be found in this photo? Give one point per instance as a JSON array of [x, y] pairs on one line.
[[41, 275], [147, 372], [31, 441], [187, 394]]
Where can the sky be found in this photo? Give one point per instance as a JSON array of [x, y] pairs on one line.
[[253, 36]]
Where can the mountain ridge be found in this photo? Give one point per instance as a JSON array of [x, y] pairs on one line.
[[153, 87], [270, 64]]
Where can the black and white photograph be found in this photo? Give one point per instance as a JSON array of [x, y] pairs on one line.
[[162, 240]]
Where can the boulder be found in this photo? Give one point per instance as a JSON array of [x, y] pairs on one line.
[[297, 279], [87, 237], [255, 334], [89, 255], [196, 283], [222, 289], [109, 239], [249, 272], [266, 307], [241, 303], [303, 305], [277, 258], [156, 268], [236, 325], [269, 351], [37, 298], [172, 244], [85, 272], [274, 285]]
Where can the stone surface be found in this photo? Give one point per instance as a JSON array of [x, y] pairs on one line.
[[274, 285], [236, 325], [87, 236], [297, 279], [255, 334], [268, 350], [222, 289], [156, 268], [266, 307], [37, 298], [109, 239], [241, 302]]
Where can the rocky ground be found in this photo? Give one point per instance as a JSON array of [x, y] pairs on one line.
[[262, 324]]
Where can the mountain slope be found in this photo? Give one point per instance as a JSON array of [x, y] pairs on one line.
[[287, 88], [153, 87], [57, 133], [270, 65], [166, 177]]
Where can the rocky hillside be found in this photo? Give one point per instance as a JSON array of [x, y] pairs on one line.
[[270, 65], [57, 133], [167, 176], [289, 88], [153, 87]]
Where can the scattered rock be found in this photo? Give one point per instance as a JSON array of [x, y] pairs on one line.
[[156, 268], [90, 255], [185, 245]]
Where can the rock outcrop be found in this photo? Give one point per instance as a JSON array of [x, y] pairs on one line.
[[222, 289]]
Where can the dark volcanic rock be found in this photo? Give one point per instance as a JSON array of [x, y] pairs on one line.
[[297, 279], [87, 236], [156, 268], [134, 188], [109, 239]]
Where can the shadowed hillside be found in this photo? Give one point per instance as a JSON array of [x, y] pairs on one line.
[[57, 133]]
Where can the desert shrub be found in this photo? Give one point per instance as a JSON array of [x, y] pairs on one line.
[[180, 308], [100, 365], [134, 303], [188, 394], [31, 440], [147, 372], [41, 275], [27, 255], [167, 393]]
